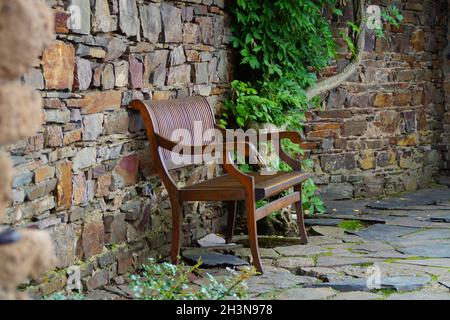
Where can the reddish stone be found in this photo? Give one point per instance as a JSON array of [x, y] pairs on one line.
[[92, 237], [58, 62], [322, 134], [64, 186], [115, 228]]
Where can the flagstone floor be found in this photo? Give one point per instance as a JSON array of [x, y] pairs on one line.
[[401, 252]]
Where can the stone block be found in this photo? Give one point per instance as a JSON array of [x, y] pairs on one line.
[[115, 228], [126, 172], [354, 128], [64, 186], [44, 173], [179, 75], [136, 69], [200, 73], [83, 75], [172, 25], [84, 158], [129, 17], [156, 68], [102, 20], [79, 193], [121, 73], [65, 242], [97, 101], [151, 21]]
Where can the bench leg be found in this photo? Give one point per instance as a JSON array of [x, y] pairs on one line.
[[177, 220], [300, 216], [253, 234], [232, 208]]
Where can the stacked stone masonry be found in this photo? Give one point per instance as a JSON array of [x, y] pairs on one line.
[[86, 177]]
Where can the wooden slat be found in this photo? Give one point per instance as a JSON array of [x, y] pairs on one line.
[[277, 205], [267, 186]]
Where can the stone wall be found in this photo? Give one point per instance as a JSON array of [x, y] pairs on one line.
[[85, 177], [379, 133], [445, 143]]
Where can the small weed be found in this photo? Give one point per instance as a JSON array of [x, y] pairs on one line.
[[351, 225]]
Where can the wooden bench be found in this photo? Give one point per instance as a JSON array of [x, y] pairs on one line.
[[162, 118]]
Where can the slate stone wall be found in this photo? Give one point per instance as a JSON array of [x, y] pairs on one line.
[[85, 177], [380, 132]]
